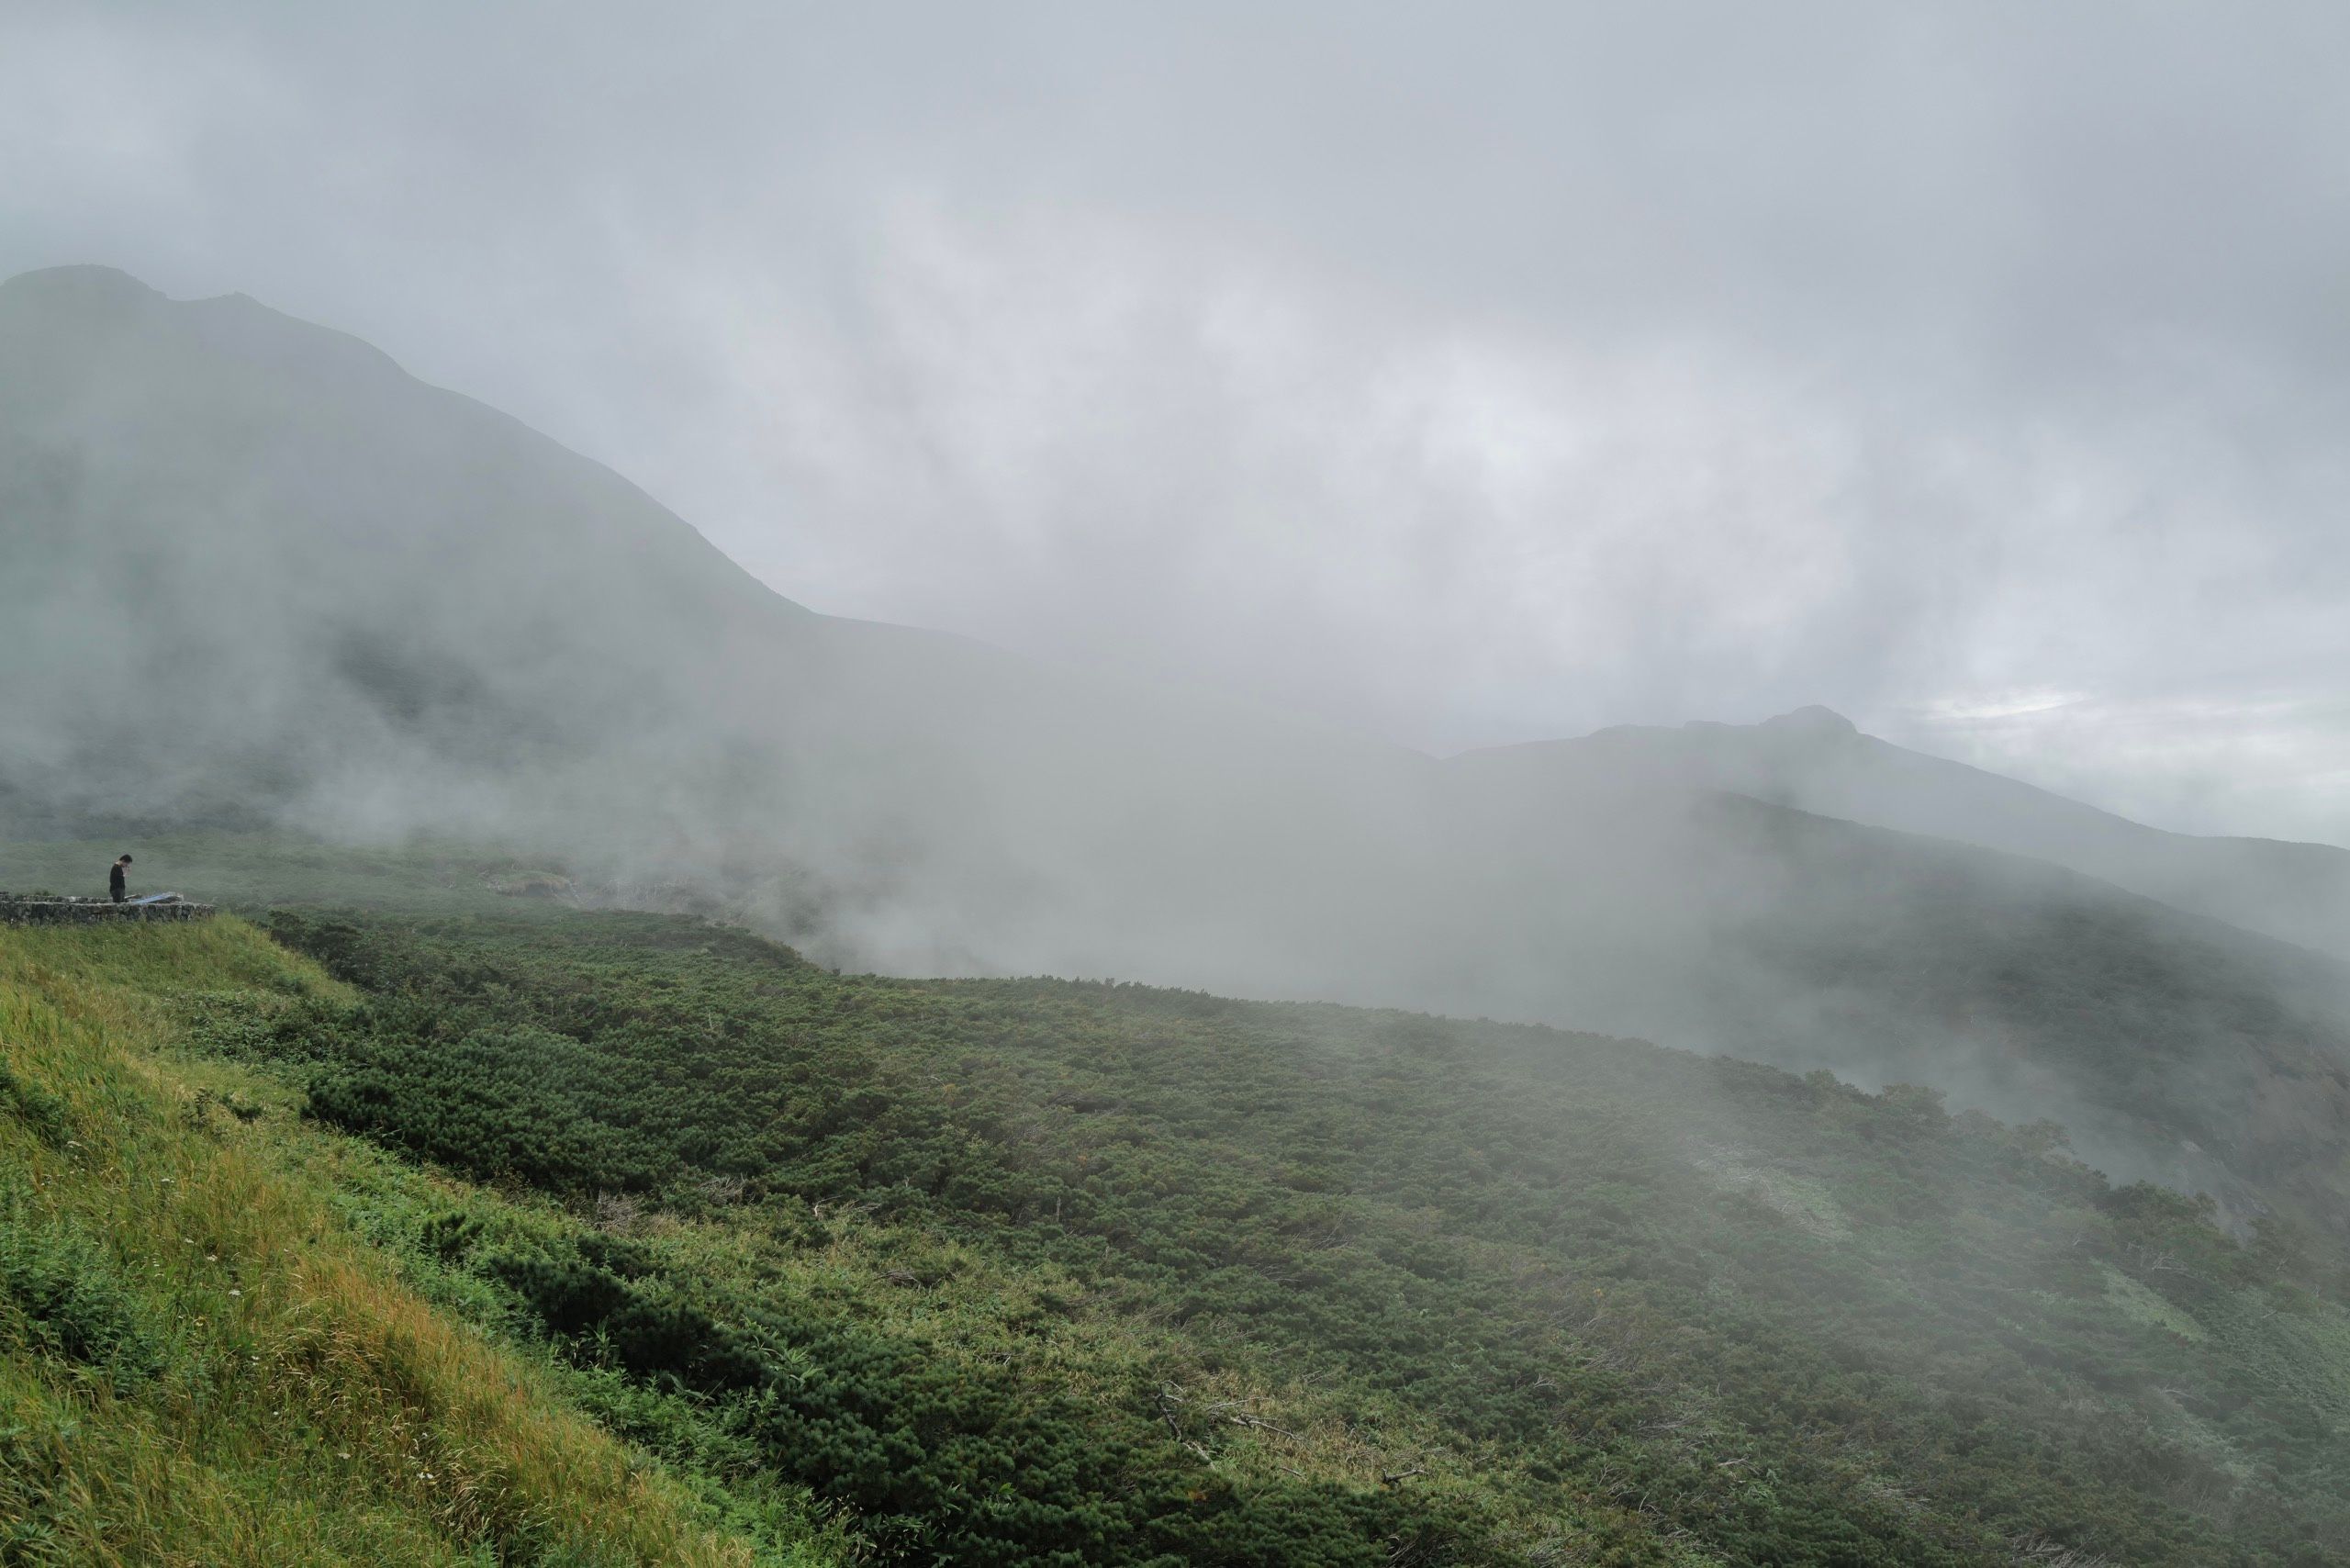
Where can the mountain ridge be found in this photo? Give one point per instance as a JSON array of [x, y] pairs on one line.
[[1816, 760]]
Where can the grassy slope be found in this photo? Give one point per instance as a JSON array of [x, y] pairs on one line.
[[201, 1360], [1020, 1269], [1007, 1269]]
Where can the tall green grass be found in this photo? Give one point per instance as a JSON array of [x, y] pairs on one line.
[[201, 1363]]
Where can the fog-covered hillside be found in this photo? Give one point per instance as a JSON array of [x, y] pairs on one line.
[[254, 576], [1815, 761], [268, 577]]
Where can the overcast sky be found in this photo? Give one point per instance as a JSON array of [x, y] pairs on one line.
[[1466, 374]]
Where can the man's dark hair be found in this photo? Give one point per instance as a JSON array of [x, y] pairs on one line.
[[124, 861]]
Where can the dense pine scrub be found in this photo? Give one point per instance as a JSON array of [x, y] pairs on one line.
[[1048, 1271]]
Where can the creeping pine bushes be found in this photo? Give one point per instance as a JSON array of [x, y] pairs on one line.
[[1539, 1293], [951, 1463]]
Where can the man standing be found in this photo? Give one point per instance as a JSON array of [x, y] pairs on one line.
[[114, 879]]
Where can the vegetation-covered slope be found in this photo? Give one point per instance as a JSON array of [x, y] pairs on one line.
[[1028, 1271], [2173, 1048], [204, 1363]]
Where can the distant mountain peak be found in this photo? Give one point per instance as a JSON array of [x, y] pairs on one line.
[[1813, 720], [84, 285]]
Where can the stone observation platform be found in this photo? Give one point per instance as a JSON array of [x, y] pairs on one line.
[[49, 909]]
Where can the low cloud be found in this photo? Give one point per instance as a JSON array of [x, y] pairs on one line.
[[1464, 378]]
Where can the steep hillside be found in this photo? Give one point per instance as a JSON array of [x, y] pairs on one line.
[[1817, 761], [285, 572], [1042, 1271], [203, 1361]]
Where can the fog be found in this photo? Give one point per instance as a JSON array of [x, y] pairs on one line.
[[1974, 370], [1085, 473]]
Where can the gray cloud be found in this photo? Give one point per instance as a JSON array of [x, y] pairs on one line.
[[1465, 375]]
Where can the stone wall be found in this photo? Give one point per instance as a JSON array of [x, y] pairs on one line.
[[17, 909]]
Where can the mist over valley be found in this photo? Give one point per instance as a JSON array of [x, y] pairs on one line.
[[1314, 971]]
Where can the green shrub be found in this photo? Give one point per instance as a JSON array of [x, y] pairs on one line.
[[67, 1293]]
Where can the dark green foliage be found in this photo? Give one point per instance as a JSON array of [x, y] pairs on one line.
[[40, 1109], [1626, 1297], [979, 1472], [65, 1289], [643, 1333]]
